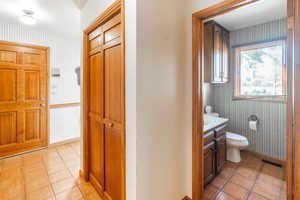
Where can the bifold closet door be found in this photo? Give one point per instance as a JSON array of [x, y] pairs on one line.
[[106, 129], [114, 129], [97, 119]]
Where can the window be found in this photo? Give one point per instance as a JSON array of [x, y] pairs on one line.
[[260, 71]]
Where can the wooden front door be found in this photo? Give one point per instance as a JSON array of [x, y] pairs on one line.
[[23, 98], [104, 107]]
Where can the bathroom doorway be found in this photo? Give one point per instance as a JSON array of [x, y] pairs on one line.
[[243, 95]]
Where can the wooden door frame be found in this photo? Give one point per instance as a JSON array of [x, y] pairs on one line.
[[47, 50], [293, 106], [116, 7]]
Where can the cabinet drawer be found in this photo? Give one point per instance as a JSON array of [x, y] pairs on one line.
[[209, 137], [220, 131]]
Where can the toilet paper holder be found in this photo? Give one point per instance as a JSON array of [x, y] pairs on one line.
[[253, 118]]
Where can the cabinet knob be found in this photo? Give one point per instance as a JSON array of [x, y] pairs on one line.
[[42, 104]]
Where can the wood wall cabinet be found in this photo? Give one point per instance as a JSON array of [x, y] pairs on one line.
[[216, 53], [214, 153], [104, 105]]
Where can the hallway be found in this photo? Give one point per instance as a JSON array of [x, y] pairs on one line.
[[47, 174]]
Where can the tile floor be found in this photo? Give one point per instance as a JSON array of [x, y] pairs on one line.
[[250, 180], [50, 174]]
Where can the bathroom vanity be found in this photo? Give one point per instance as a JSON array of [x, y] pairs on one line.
[[214, 146]]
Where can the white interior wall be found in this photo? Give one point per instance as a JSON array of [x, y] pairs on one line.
[[64, 54], [164, 124]]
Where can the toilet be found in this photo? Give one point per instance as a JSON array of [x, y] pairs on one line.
[[235, 143]]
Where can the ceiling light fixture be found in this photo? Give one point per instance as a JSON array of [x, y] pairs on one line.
[[27, 17]]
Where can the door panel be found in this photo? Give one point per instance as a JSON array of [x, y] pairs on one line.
[[218, 43], [32, 125], [8, 128], [221, 152], [97, 153], [23, 98], [209, 162], [32, 59], [113, 80], [112, 34], [8, 85], [32, 85], [8, 57], [96, 83], [113, 163]]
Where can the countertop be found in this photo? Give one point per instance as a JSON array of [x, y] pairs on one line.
[[211, 122]]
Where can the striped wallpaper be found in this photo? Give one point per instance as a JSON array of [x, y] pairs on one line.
[[270, 137]]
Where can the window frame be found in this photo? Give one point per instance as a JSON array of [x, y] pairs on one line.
[[237, 72]]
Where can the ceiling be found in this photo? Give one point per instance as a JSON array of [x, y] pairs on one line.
[[253, 14], [60, 16]]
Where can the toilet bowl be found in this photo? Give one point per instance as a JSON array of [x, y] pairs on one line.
[[235, 143]]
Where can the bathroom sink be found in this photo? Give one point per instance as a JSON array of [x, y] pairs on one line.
[[207, 121], [210, 122]]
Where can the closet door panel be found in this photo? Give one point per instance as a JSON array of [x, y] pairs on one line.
[[96, 84], [113, 83], [97, 151], [114, 130], [113, 163]]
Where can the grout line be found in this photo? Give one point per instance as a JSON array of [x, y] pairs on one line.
[[51, 187], [76, 183], [222, 188], [256, 178]]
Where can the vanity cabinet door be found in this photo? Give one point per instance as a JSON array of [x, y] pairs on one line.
[[209, 162], [221, 152], [218, 55]]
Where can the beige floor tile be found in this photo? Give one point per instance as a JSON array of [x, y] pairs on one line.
[[236, 191], [29, 176], [74, 171], [63, 185], [42, 174], [224, 196], [14, 191], [247, 172], [267, 191], [227, 173], [55, 168], [44, 193], [12, 163], [60, 175], [36, 183], [255, 196], [219, 182], [269, 180], [242, 181], [210, 192], [37, 167], [72, 194]]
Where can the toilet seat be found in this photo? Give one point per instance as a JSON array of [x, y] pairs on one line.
[[236, 140]]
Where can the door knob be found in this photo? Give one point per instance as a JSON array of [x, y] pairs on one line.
[[109, 125]]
